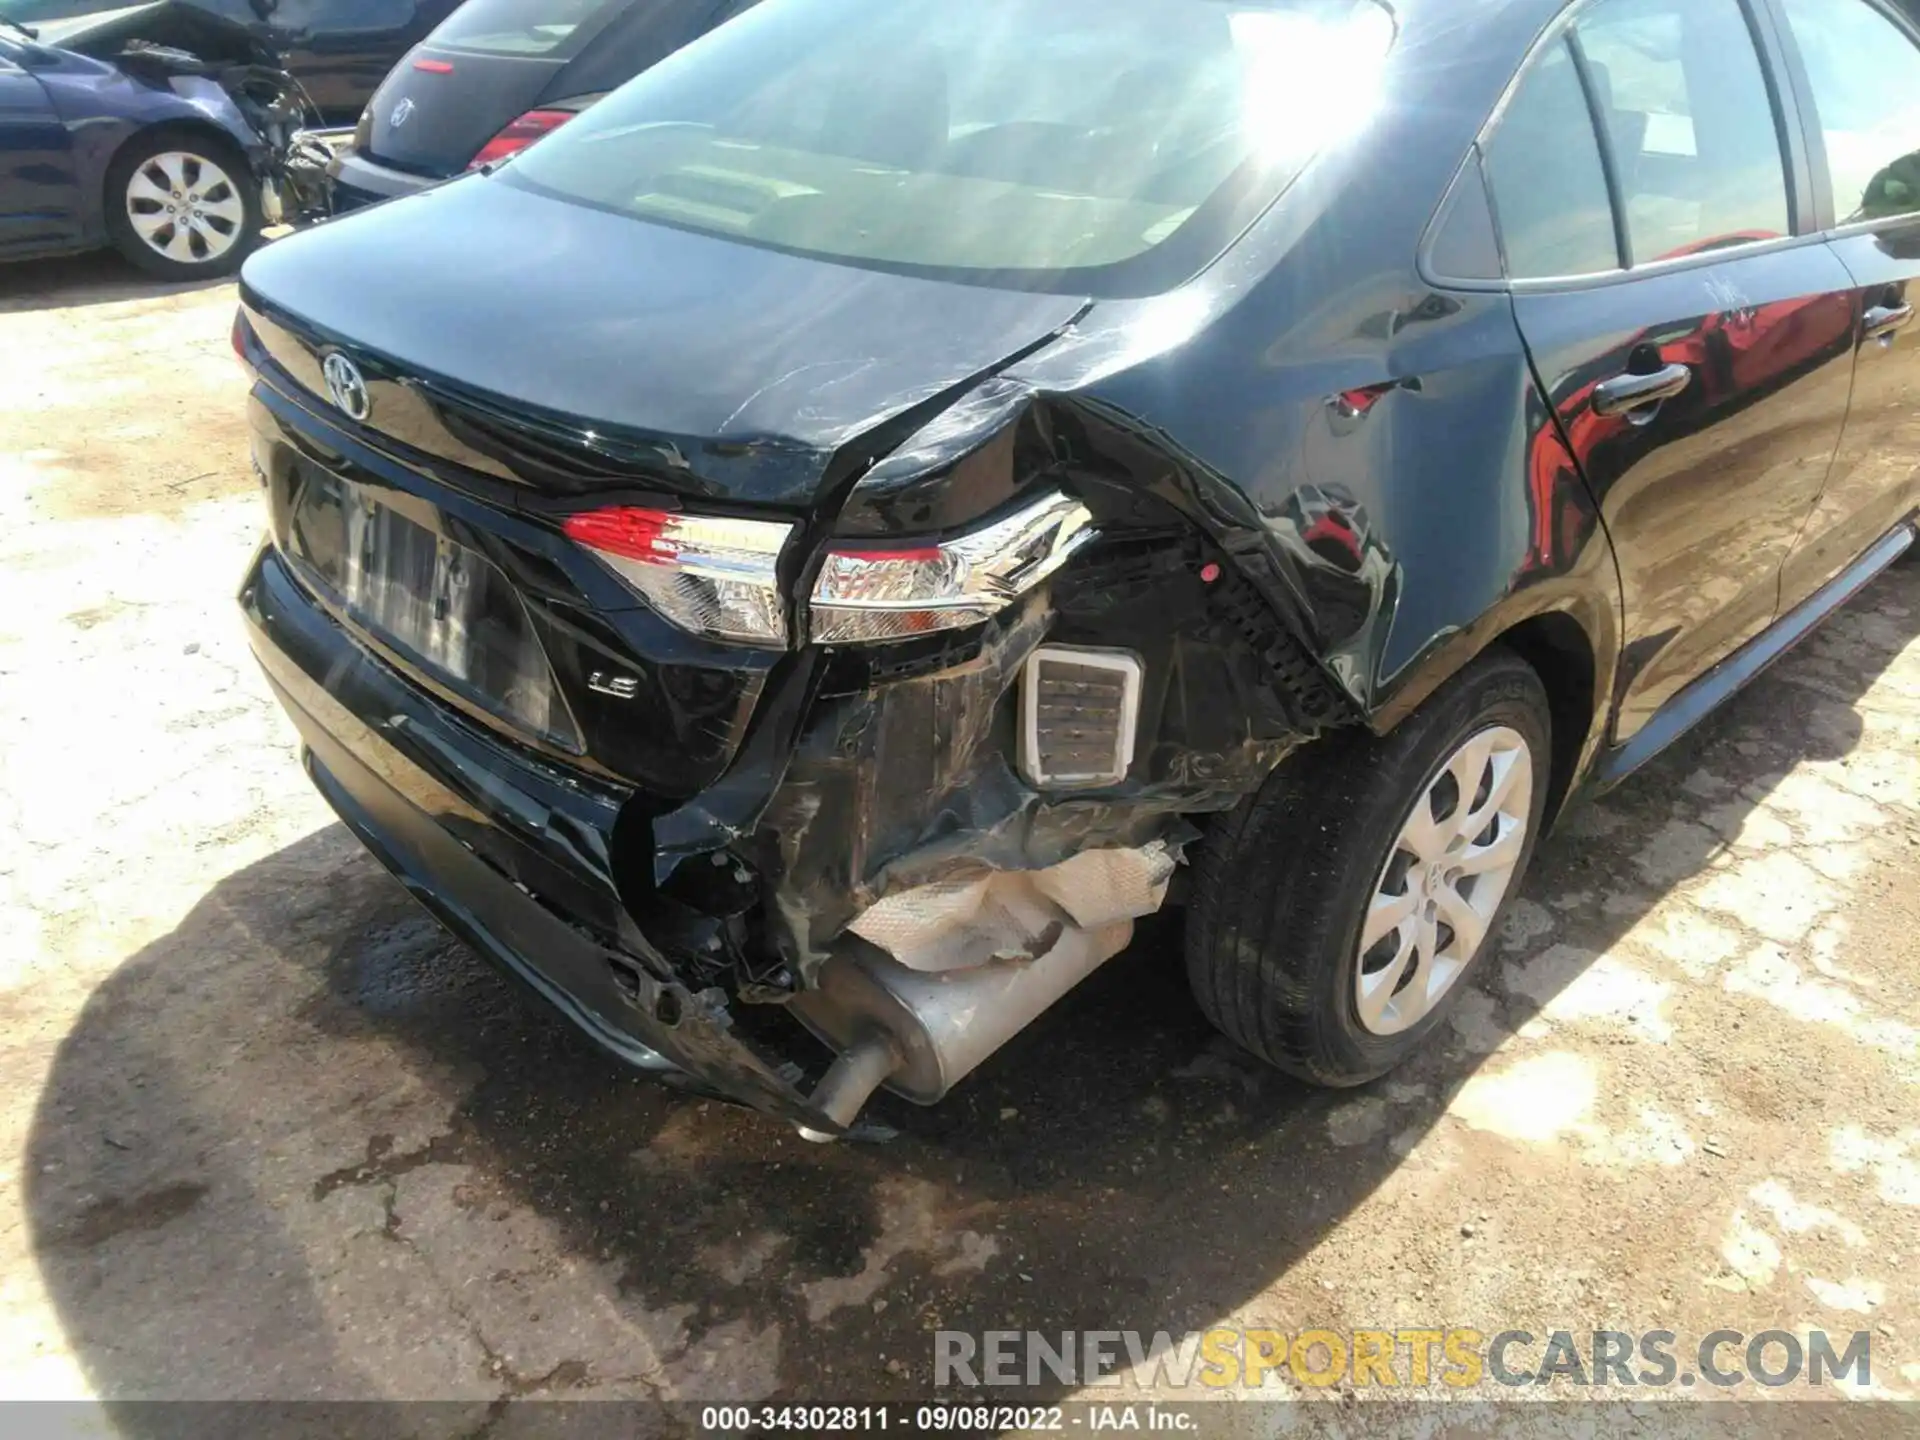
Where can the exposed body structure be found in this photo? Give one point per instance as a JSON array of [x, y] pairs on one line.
[[159, 130]]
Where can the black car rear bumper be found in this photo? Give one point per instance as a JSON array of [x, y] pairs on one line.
[[509, 858], [686, 882], [358, 181]]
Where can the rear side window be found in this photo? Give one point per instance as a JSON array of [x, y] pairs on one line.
[[1689, 130], [1679, 86], [549, 29], [1865, 74], [1549, 190]]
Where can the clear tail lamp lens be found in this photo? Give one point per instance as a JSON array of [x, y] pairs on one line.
[[709, 574], [893, 594]]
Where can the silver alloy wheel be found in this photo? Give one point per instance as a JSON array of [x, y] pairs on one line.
[[1443, 879], [185, 207]]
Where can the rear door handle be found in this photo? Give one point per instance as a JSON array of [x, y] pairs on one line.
[[1884, 320], [1625, 394]]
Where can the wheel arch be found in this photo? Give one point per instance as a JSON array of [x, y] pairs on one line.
[[1561, 653], [1571, 644], [193, 124]]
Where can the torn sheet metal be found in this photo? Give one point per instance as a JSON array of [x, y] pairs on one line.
[[914, 781]]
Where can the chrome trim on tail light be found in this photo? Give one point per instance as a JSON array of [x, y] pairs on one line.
[[875, 593]]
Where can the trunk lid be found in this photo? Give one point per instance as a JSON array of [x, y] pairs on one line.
[[427, 120], [482, 68], [498, 617], [486, 315]]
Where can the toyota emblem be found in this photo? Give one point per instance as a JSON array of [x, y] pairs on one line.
[[346, 387]]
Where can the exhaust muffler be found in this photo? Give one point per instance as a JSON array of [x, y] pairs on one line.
[[931, 981]]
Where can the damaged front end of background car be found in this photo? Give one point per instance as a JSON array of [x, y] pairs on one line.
[[944, 818], [173, 62]]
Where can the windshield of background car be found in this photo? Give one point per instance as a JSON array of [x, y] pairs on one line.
[[1111, 146], [33, 12], [28, 11], [551, 29], [58, 18]]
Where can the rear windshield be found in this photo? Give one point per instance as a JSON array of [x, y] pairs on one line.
[[1044, 143], [551, 29]]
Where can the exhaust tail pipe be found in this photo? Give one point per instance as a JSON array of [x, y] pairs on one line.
[[931, 981], [855, 1075]]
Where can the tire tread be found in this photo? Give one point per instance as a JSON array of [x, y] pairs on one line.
[[1272, 904]]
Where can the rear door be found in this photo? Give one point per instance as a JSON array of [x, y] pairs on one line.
[[1694, 336], [1860, 77], [38, 199]]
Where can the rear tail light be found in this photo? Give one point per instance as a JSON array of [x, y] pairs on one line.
[[518, 135], [710, 575], [892, 594], [717, 576]]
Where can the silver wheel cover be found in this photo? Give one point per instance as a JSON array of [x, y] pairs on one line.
[[185, 207], [1443, 879]]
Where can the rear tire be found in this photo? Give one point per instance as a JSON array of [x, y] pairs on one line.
[[182, 204], [1333, 845]]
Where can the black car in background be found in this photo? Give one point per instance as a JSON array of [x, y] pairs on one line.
[[809, 548], [499, 74], [344, 50]]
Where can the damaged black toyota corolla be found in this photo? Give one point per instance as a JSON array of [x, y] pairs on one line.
[[795, 563]]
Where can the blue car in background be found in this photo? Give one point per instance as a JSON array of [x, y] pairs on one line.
[[141, 129], [344, 50]]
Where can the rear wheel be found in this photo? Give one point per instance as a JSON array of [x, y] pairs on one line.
[[1338, 910], [182, 205]]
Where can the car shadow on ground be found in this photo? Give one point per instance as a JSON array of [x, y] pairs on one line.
[[100, 277], [1116, 1166]]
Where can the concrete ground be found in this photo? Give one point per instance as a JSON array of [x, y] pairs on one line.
[[266, 1131]]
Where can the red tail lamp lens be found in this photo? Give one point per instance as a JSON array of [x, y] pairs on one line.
[[520, 134]]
